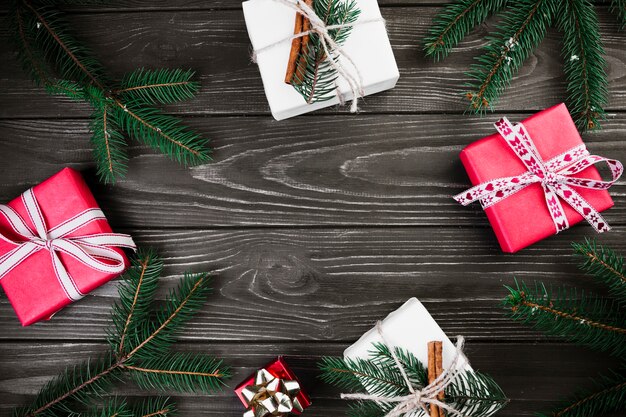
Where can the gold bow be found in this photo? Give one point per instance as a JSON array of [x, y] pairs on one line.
[[271, 396]]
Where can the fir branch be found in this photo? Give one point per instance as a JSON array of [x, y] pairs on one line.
[[472, 394], [609, 396], [48, 50], [143, 333], [522, 30], [456, 20], [584, 65], [415, 370], [605, 265], [619, 8], [180, 307], [162, 132], [587, 319], [183, 372], [315, 77], [22, 26], [109, 146], [72, 60], [136, 298], [159, 86]]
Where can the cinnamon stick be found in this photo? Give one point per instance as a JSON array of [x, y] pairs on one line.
[[299, 47], [435, 369]]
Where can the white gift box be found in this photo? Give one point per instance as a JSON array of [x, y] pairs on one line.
[[270, 22], [410, 327]]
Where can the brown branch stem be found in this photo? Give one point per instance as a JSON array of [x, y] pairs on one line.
[[217, 374], [52, 33], [589, 398], [574, 317], [144, 87], [144, 267]]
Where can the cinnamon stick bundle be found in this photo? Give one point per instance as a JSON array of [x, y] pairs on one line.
[[435, 369], [299, 48]]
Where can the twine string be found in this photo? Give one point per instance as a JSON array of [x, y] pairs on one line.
[[331, 48], [418, 399]]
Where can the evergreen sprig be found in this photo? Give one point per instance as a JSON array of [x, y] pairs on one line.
[[520, 31], [605, 265], [64, 66], [473, 394], [150, 407], [315, 77], [140, 342], [585, 319], [578, 316]]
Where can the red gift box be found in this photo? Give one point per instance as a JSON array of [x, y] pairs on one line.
[[33, 286], [523, 218], [279, 369]]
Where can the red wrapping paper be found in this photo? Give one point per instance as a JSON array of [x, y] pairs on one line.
[[32, 286], [279, 369], [523, 218]]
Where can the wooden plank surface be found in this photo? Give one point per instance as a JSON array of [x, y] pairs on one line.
[[332, 285], [28, 366], [381, 170], [215, 44], [322, 224]]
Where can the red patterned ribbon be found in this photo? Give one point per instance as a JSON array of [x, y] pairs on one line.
[[554, 175]]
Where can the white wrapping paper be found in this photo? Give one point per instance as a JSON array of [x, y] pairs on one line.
[[269, 21], [410, 327]]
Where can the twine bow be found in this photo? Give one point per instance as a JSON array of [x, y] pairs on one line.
[[554, 175], [418, 399], [331, 48], [271, 396], [88, 249]]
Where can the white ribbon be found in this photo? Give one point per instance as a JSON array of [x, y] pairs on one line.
[[419, 399], [319, 27], [90, 250]]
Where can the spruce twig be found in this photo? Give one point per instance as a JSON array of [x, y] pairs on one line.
[[596, 322], [140, 347], [521, 30], [605, 265], [64, 66], [315, 78], [473, 394]]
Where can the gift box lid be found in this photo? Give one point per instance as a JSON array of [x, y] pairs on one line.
[[32, 286], [523, 218]]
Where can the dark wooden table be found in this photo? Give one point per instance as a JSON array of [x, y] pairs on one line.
[[316, 226]]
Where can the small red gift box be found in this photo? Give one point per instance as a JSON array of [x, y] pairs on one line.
[[55, 246], [280, 370], [524, 217]]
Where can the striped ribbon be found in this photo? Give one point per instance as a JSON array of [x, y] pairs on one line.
[[92, 250]]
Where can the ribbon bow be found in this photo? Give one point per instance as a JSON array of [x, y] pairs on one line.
[[418, 399], [554, 175], [319, 27], [88, 249], [271, 396]]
